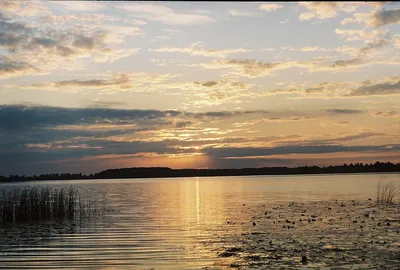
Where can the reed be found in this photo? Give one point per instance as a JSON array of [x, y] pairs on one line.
[[45, 203], [386, 192]]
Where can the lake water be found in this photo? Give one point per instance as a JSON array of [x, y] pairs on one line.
[[165, 223]]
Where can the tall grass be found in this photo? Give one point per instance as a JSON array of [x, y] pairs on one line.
[[386, 192], [45, 203]]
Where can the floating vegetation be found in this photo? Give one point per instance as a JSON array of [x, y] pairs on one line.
[[26, 204], [358, 235]]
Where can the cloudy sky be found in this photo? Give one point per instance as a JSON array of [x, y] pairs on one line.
[[86, 86]]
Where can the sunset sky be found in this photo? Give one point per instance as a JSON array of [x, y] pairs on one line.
[[87, 86]]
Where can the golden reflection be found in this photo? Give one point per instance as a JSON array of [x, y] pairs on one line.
[[195, 211], [197, 202]]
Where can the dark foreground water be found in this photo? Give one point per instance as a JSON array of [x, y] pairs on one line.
[[182, 223]]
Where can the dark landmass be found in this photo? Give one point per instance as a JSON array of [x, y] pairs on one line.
[[162, 172]]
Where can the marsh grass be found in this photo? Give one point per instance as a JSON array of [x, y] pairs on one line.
[[46, 203], [386, 192]]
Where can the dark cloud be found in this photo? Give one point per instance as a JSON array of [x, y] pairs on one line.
[[92, 82], [13, 35], [20, 117], [363, 135], [225, 114], [386, 114], [332, 140], [210, 84], [39, 134], [292, 149], [64, 51], [106, 104], [183, 124], [16, 36], [84, 42], [338, 64], [387, 88], [384, 17], [10, 68], [61, 152], [45, 42], [344, 111]]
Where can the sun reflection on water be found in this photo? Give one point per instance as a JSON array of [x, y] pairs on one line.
[[197, 202]]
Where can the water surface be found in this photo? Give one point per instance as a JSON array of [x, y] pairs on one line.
[[165, 223]]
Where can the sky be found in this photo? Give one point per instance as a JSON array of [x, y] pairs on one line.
[[86, 86]]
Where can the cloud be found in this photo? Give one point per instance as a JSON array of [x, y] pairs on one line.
[[269, 7], [387, 88], [359, 57], [65, 133], [306, 49], [137, 82], [87, 18], [48, 49], [375, 18], [372, 46], [312, 49], [165, 15], [397, 41], [9, 5], [345, 64], [389, 114], [290, 149], [48, 135], [183, 124], [198, 49], [277, 118], [224, 114], [79, 6], [249, 67], [252, 68], [324, 10], [106, 103], [113, 33], [357, 18], [355, 35], [22, 117], [334, 140], [384, 17], [383, 86], [19, 117], [198, 94], [9, 68], [217, 92], [23, 8], [344, 111]]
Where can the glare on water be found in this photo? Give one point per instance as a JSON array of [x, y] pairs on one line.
[[165, 223]]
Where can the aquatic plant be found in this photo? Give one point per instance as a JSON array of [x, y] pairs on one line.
[[37, 204], [386, 192]]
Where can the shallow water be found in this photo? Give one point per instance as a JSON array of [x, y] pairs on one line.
[[176, 223]]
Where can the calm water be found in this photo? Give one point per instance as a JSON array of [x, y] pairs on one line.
[[164, 223]]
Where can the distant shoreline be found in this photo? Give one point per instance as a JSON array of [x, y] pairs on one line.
[[164, 172], [205, 176]]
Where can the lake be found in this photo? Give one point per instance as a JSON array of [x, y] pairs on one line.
[[166, 223]]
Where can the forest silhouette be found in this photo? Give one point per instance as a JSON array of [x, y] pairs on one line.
[[162, 172]]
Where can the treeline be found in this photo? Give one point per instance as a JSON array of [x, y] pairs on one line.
[[158, 172]]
